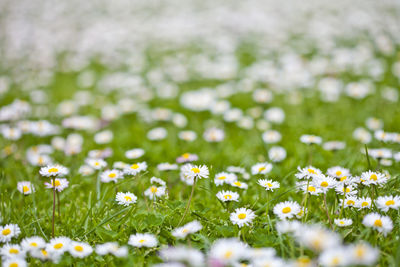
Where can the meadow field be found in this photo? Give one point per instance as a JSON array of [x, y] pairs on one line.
[[197, 133]]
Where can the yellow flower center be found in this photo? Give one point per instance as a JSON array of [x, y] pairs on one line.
[[57, 183], [346, 189], [44, 252], [128, 198], [185, 230], [360, 251], [378, 223], [195, 170], [186, 155], [228, 197], [373, 177], [14, 264], [33, 244], [343, 178], [228, 254], [311, 188], [286, 210], [261, 169], [58, 245], [350, 202], [237, 183], [153, 189], [222, 178], [335, 260], [324, 184], [112, 175], [78, 248], [135, 166], [51, 170], [389, 202], [303, 262], [141, 241], [13, 251], [338, 173], [6, 231], [25, 189], [364, 204], [311, 171], [242, 216], [269, 184]]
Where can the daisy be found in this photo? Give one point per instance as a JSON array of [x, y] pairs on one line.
[[143, 240], [15, 262], [317, 237], [46, 254], [58, 245], [287, 209], [125, 198], [276, 154], [10, 251], [59, 183], [349, 201], [167, 167], [214, 135], [376, 221], [33, 243], [239, 184], [25, 187], [268, 184], [112, 248], [189, 228], [242, 216], [188, 136], [271, 137], [307, 187], [324, 182], [227, 251], [103, 137], [334, 257], [343, 222], [362, 135], [363, 203], [157, 133], [225, 196], [338, 172], [384, 203], [79, 249], [154, 192], [195, 171], [86, 170], [155, 180], [224, 177], [261, 168], [135, 168], [307, 172], [348, 190], [363, 254], [236, 169], [53, 170], [310, 139], [134, 153], [285, 226], [374, 178], [96, 164], [334, 145], [187, 157], [111, 176], [9, 231], [182, 254]]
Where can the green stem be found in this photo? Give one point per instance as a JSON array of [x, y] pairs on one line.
[[190, 200], [327, 212]]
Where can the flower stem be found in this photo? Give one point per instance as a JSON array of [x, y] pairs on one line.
[[58, 203], [54, 205], [327, 212], [190, 200]]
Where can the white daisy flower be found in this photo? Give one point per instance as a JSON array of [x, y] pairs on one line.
[[112, 248], [261, 168], [269, 185], [188, 136], [338, 172], [363, 254], [224, 177], [376, 221], [362, 135], [187, 157], [59, 183], [33, 243], [14, 262], [167, 167], [286, 210], [307, 187], [192, 171], [324, 182], [276, 154], [242, 216], [9, 251], [239, 184], [348, 190], [125, 198], [134, 153], [79, 249], [334, 145], [189, 228], [177, 254], [9, 231], [135, 168], [374, 178], [307, 172], [53, 170], [103, 137], [271, 137], [317, 237], [334, 257], [156, 134], [155, 180], [285, 226], [214, 135], [25, 187], [46, 253], [154, 192], [96, 164], [310, 139], [58, 245], [225, 196], [143, 240], [111, 176], [384, 203], [343, 222], [350, 201], [227, 251], [86, 170]]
